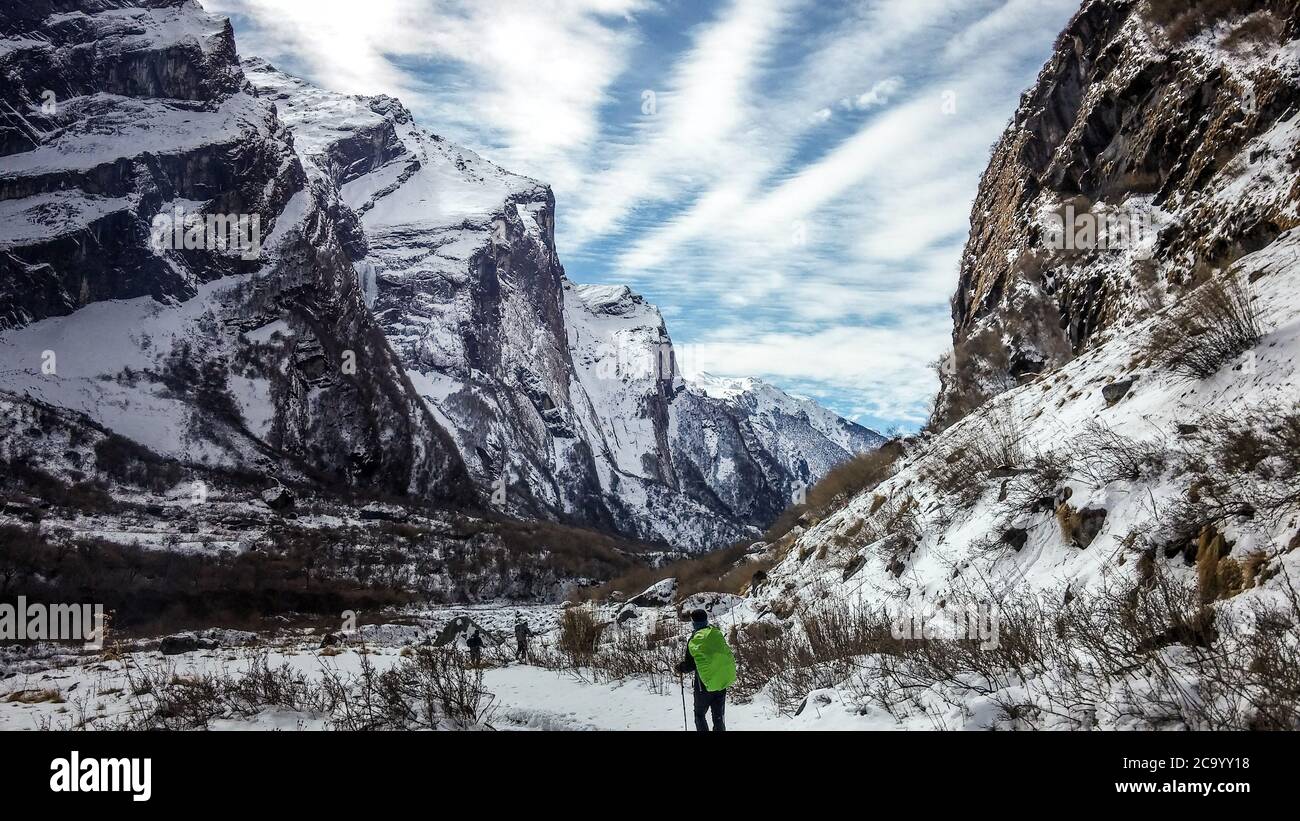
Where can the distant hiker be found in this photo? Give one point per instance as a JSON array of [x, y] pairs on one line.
[[709, 656], [522, 633], [474, 642]]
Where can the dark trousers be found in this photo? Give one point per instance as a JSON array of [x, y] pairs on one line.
[[706, 702]]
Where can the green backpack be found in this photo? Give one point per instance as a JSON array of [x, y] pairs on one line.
[[713, 659]]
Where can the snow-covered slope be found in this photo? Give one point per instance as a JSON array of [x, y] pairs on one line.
[[1136, 519], [564, 399]]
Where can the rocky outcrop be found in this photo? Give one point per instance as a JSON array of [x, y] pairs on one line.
[[1174, 119]]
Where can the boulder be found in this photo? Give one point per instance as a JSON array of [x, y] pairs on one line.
[[715, 604], [463, 626], [627, 613], [1015, 538], [855, 564], [1116, 391], [279, 498], [1090, 523], [185, 643], [659, 594]]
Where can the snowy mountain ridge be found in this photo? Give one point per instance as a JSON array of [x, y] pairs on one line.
[[406, 324], [462, 271]]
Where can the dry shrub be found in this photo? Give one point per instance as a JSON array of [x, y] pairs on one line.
[[979, 368], [1102, 456], [857, 475], [1034, 488], [1246, 471], [895, 531], [1212, 326], [822, 650], [429, 688], [579, 635], [968, 455], [1107, 656], [729, 570], [1261, 27], [1211, 552], [844, 481], [47, 696]]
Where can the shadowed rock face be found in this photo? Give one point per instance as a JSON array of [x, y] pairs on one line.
[[1182, 117], [115, 113], [111, 113]]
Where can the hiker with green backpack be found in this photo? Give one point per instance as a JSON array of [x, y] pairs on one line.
[[709, 656]]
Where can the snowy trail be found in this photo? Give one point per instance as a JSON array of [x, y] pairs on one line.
[[533, 698]]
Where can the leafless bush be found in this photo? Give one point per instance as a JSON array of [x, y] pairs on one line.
[[1183, 19], [1102, 456], [631, 654], [1214, 325], [1033, 489], [857, 475], [992, 441], [825, 648], [429, 688], [1254, 461], [1141, 654], [895, 531], [579, 634]]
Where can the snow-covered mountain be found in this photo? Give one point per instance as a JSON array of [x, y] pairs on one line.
[[402, 324], [118, 113], [563, 399]]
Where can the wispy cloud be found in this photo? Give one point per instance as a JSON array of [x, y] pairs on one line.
[[790, 180], [523, 79]]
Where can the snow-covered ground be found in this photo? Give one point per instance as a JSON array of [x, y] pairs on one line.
[[535, 698], [86, 691]]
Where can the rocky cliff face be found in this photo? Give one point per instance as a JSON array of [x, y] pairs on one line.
[[564, 400], [1175, 118], [260, 357], [1082, 480], [401, 323]]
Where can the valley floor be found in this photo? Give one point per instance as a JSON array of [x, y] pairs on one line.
[[536, 698], [111, 690]]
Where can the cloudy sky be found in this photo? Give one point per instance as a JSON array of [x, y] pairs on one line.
[[789, 180]]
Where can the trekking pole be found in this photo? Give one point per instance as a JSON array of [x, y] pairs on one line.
[[681, 685]]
